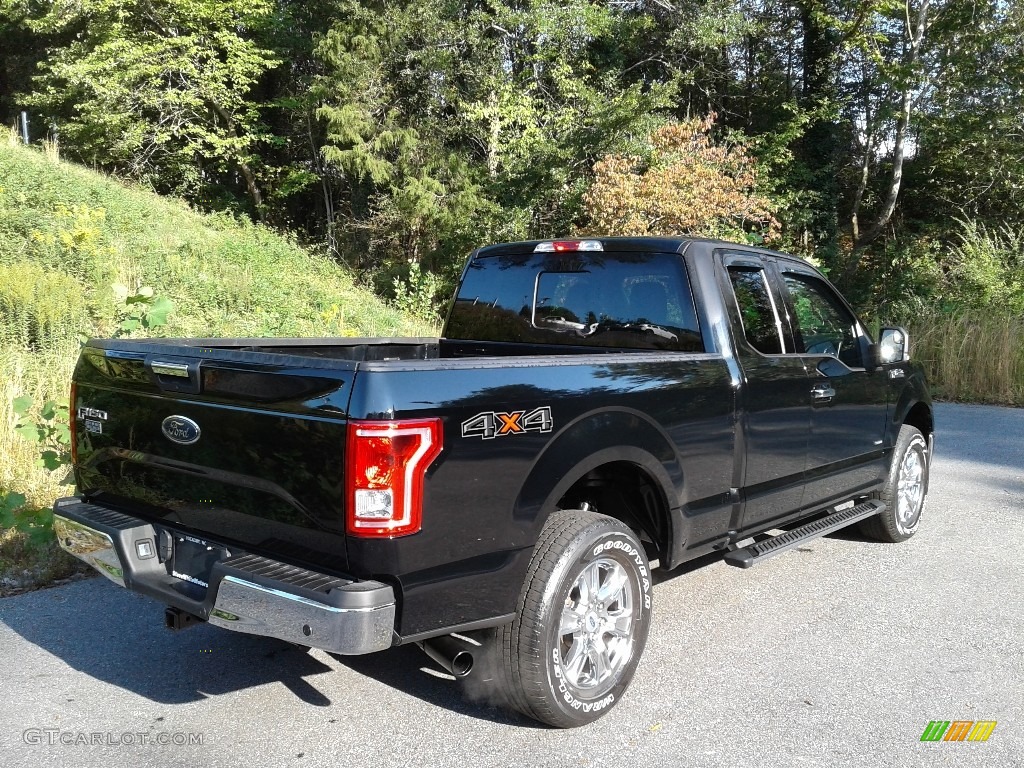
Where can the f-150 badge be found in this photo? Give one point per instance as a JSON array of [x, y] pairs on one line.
[[491, 424], [93, 419]]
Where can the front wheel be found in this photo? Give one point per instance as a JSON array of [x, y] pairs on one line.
[[904, 490], [582, 620]]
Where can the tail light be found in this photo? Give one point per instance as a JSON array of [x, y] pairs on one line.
[[73, 424], [385, 465]]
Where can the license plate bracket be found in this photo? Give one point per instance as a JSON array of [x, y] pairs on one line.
[[194, 559]]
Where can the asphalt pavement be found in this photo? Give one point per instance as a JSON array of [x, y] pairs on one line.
[[838, 653]]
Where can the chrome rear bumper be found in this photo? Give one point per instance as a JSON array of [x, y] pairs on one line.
[[244, 606], [245, 593]]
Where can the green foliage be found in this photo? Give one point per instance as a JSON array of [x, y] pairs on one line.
[[407, 130], [420, 294], [39, 308], [47, 428], [152, 88], [985, 269], [35, 523], [224, 276], [971, 157], [979, 269], [142, 309], [73, 241], [9, 502], [453, 125], [897, 280]]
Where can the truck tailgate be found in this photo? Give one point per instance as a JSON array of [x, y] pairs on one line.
[[244, 448]]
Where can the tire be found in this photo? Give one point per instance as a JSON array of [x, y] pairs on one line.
[[904, 490], [582, 621]]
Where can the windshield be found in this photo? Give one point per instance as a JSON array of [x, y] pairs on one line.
[[627, 300]]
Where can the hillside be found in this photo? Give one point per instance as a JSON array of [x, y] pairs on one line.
[[74, 243]]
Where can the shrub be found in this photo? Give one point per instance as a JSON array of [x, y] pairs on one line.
[[689, 184], [986, 268]]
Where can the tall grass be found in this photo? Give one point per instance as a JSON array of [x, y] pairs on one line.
[[971, 354], [225, 277]]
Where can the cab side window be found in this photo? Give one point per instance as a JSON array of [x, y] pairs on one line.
[[761, 324], [822, 323]]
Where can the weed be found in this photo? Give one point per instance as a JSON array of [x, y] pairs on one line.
[[48, 429], [418, 294], [34, 522]]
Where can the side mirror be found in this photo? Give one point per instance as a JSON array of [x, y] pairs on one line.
[[893, 346]]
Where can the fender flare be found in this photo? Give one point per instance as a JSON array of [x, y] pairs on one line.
[[590, 441]]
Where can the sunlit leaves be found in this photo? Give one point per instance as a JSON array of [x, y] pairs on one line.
[[689, 184], [150, 88]]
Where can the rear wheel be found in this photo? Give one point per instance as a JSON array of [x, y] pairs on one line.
[[904, 490], [582, 620]]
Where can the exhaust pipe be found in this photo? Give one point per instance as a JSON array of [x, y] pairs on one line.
[[451, 654], [175, 618]]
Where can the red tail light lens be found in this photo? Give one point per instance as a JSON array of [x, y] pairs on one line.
[[386, 462], [73, 423], [560, 246]]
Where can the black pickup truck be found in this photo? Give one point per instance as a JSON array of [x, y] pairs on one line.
[[593, 407]]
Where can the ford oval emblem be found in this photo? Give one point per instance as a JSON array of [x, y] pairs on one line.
[[181, 430]]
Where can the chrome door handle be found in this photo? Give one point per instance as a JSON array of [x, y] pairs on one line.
[[823, 392]]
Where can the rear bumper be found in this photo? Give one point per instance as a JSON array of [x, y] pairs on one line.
[[244, 592]]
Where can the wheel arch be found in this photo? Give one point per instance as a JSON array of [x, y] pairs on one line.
[[914, 408], [920, 415], [598, 456]]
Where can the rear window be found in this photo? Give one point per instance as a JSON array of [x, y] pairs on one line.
[[623, 300]]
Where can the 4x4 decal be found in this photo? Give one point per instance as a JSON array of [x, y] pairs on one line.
[[491, 424]]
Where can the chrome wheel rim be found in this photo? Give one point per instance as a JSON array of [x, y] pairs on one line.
[[596, 627], [910, 489]]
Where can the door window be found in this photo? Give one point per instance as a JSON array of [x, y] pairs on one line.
[[761, 324], [823, 324]]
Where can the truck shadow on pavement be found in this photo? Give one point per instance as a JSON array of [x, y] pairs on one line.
[[117, 637], [408, 670]]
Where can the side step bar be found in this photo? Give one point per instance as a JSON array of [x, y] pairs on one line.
[[764, 550]]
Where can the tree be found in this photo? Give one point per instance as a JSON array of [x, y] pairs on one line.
[[159, 89], [450, 123], [21, 50], [907, 78], [970, 146], [404, 188], [687, 185]]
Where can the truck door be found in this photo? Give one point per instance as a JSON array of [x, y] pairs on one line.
[[775, 402], [846, 454]]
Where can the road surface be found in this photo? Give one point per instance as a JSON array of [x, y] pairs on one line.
[[838, 653]]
